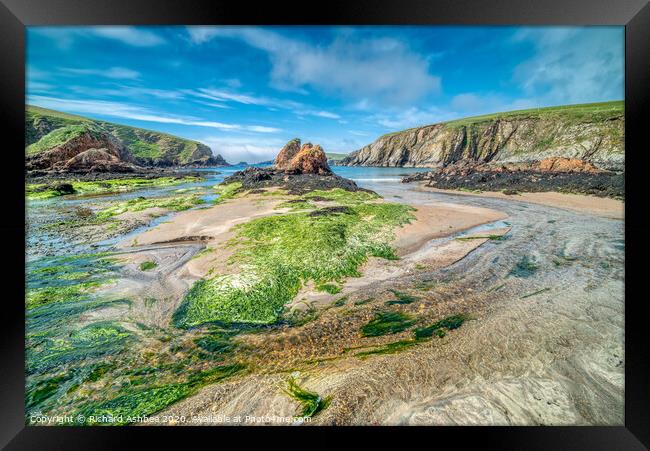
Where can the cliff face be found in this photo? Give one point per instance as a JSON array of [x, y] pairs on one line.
[[51, 134], [593, 132]]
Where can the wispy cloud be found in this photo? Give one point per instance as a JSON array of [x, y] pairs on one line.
[[351, 65], [129, 35], [111, 72], [572, 65], [251, 150], [326, 114], [411, 117], [126, 111], [136, 37]]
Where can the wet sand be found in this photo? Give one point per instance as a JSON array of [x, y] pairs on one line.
[[598, 206], [546, 348]]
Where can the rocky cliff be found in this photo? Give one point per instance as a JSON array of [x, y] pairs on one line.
[[54, 138], [590, 132]]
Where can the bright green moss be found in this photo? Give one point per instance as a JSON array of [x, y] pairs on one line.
[[148, 265], [91, 341], [36, 297], [342, 196], [176, 203], [39, 191], [277, 254], [126, 408], [330, 288], [226, 192]]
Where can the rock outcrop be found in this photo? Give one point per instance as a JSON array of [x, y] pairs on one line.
[[54, 138], [552, 174], [287, 153], [84, 148], [309, 160], [592, 133], [296, 169]]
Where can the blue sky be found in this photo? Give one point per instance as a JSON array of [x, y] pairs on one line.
[[245, 91]]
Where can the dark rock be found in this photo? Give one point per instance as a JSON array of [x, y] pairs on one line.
[[64, 188], [333, 211]]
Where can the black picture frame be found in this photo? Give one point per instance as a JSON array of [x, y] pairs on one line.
[[633, 14]]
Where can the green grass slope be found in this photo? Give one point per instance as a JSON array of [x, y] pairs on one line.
[[590, 112], [45, 129]]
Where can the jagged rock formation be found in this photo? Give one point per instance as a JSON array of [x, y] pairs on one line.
[[54, 138], [82, 147], [309, 160], [287, 153], [296, 169], [593, 133]]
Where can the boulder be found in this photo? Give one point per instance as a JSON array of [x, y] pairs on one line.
[[309, 160], [287, 153]]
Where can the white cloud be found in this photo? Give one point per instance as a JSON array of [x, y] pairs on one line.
[[251, 150], [383, 69], [64, 37], [473, 104], [572, 65], [129, 35], [126, 111], [111, 72], [412, 117], [326, 114]]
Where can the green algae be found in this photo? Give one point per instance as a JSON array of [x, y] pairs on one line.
[[340, 302], [389, 348], [385, 323], [439, 328], [330, 288], [148, 265], [36, 191], [543, 290], [94, 340], [41, 296], [278, 254], [526, 267], [129, 407], [226, 192], [402, 298], [310, 403], [175, 203]]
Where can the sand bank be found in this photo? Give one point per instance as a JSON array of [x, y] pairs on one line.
[[598, 206]]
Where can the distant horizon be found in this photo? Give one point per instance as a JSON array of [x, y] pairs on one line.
[[215, 153], [246, 91]]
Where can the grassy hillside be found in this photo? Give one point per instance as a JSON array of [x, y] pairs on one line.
[[593, 132], [590, 112], [45, 129]]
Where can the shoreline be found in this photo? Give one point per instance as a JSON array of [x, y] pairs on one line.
[[581, 203]]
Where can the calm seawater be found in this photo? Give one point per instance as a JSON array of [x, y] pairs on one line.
[[373, 178]]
